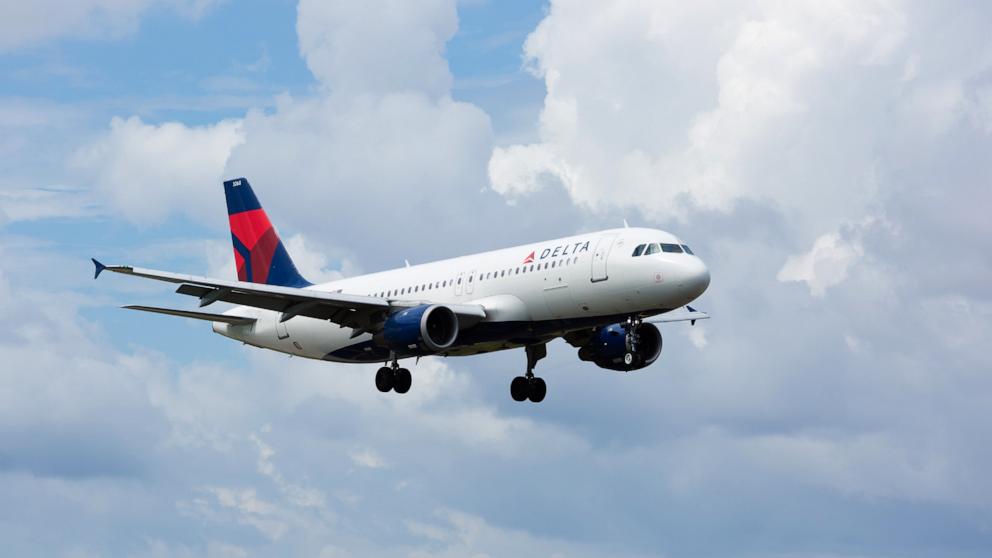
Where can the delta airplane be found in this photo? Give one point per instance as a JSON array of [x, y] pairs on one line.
[[601, 291]]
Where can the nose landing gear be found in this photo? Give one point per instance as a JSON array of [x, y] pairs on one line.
[[529, 386], [632, 339]]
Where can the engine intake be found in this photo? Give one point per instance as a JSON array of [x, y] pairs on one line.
[[609, 349], [429, 327]]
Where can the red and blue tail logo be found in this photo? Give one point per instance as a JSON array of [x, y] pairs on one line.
[[259, 255]]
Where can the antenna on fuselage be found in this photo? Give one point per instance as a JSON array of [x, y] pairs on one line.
[[407, 262], [625, 225]]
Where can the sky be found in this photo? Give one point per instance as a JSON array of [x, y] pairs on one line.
[[829, 161]]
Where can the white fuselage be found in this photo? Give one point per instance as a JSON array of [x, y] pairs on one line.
[[568, 283]]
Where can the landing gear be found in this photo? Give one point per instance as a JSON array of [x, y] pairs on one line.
[[402, 380], [384, 379], [530, 386], [393, 378], [632, 339]]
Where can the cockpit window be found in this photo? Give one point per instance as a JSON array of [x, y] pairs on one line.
[[639, 250], [672, 248], [687, 250], [652, 249]]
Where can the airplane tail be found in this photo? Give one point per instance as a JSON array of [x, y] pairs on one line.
[[259, 254]]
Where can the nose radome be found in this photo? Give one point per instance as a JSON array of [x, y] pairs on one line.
[[696, 279]]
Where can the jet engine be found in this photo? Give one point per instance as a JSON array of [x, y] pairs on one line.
[[429, 328], [612, 347]]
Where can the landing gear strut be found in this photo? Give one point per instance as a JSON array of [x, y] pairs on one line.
[[529, 386], [393, 378], [632, 339]]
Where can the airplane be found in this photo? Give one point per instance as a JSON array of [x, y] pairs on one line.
[[602, 292]]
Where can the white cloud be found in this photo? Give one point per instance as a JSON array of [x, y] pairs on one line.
[[825, 265], [31, 204], [28, 24], [148, 171], [697, 336], [374, 48], [367, 457], [818, 415], [671, 109]]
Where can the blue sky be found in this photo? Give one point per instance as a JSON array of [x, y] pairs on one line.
[[828, 161]]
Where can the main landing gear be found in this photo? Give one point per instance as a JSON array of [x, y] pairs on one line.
[[393, 378], [530, 386]]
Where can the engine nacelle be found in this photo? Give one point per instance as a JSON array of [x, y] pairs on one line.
[[429, 327], [608, 348]]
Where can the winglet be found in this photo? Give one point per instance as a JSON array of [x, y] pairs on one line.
[[99, 268]]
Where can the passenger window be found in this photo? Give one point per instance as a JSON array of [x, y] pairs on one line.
[[687, 250], [671, 248], [639, 250], [469, 278], [552, 264]]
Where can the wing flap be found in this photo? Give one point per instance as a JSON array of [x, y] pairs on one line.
[[233, 320]]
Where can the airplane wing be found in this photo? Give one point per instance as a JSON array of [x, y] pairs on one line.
[[687, 314], [361, 313]]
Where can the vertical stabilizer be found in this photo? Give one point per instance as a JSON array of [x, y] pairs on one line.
[[259, 254]]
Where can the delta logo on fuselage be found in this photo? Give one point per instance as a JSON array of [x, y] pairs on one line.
[[557, 251]]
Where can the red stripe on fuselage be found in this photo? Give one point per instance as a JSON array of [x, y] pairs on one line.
[[249, 226]]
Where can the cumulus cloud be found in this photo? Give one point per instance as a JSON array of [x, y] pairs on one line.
[[147, 171], [380, 141], [382, 144], [378, 47], [31, 23], [825, 265], [838, 420], [815, 111]]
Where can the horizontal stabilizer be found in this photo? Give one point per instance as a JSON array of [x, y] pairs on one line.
[[233, 320]]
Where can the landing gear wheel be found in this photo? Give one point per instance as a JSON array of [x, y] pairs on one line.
[[628, 358], [402, 380], [385, 379], [536, 390], [519, 388]]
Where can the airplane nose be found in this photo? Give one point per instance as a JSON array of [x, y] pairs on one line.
[[696, 278]]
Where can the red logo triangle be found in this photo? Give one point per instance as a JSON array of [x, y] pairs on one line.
[[530, 258]]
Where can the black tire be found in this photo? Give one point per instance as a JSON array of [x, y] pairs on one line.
[[536, 390], [519, 388], [384, 379], [402, 380]]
